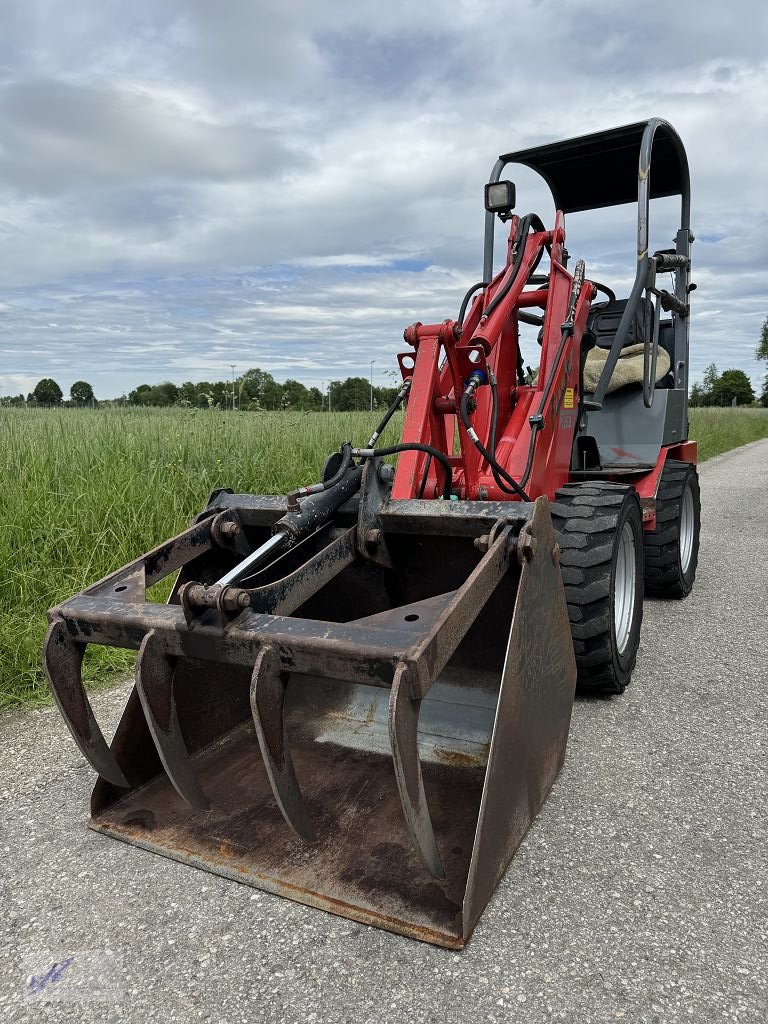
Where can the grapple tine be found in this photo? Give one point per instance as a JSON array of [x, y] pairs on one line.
[[154, 684], [63, 660], [403, 735], [268, 686]]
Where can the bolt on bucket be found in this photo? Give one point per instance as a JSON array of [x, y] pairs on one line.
[[370, 730]]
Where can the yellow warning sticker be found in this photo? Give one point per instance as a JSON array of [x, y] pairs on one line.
[[568, 398]]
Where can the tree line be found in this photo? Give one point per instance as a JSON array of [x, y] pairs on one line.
[[731, 387], [254, 391], [47, 392], [257, 390]]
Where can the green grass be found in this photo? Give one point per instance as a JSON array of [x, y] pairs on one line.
[[86, 491], [719, 430]]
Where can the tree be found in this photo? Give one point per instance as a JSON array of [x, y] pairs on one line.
[[385, 396], [733, 384], [81, 393], [295, 395], [189, 394], [350, 394], [316, 399], [47, 392], [161, 394], [260, 390], [764, 396], [697, 396], [711, 378], [136, 397], [762, 347]]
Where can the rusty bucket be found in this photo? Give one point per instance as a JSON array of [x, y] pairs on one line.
[[371, 731]]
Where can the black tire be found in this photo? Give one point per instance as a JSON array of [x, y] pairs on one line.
[[589, 520], [672, 547]]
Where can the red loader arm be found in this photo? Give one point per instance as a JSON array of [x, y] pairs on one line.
[[530, 436]]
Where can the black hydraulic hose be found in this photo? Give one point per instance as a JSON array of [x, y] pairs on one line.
[[525, 225], [324, 485], [390, 412], [530, 318], [464, 413], [492, 435], [494, 413], [424, 476], [537, 421], [609, 292], [531, 220], [467, 297], [442, 458], [533, 277], [346, 459]]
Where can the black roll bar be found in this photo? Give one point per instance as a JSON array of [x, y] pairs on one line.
[[611, 168]]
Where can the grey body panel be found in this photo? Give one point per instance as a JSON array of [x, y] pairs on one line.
[[628, 434]]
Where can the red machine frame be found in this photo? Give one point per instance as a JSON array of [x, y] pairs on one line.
[[446, 354]]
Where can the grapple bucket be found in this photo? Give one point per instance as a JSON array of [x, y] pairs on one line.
[[370, 730]]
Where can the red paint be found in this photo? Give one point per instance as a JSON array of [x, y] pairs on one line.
[[490, 343]]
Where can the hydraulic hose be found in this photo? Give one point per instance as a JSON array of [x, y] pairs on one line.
[[537, 421], [442, 458], [530, 220], [492, 435], [474, 382], [390, 411], [424, 476], [465, 301], [324, 485]]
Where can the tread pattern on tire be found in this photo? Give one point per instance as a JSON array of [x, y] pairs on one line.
[[585, 517], [663, 577]]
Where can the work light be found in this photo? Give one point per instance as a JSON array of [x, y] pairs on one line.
[[500, 197]]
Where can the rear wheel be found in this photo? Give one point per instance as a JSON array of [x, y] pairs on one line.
[[599, 529], [672, 547]]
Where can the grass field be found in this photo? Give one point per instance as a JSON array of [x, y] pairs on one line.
[[86, 491]]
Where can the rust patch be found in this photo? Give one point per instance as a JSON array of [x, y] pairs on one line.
[[460, 759]]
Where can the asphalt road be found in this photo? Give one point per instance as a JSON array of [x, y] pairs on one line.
[[638, 895]]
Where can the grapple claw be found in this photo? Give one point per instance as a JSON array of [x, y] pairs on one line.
[[154, 684], [63, 660], [403, 734], [268, 686], [442, 682]]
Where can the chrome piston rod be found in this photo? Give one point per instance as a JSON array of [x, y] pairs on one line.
[[255, 560]]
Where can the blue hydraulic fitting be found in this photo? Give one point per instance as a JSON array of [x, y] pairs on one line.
[[476, 378]]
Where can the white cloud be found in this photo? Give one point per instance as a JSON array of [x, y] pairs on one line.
[[187, 184]]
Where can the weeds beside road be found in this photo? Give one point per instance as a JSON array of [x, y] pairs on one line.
[[85, 491], [719, 430]]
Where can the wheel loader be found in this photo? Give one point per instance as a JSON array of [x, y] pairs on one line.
[[358, 695]]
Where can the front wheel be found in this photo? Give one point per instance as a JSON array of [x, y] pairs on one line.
[[599, 527]]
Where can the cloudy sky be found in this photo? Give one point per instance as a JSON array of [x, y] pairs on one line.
[[186, 185]]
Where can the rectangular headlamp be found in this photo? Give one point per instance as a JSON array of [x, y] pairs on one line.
[[500, 196]]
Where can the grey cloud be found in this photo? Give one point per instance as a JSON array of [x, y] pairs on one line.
[[189, 182], [58, 136]]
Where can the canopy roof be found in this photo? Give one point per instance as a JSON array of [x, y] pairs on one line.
[[603, 169]]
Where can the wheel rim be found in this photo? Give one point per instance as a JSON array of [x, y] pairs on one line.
[[687, 525], [624, 587]]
